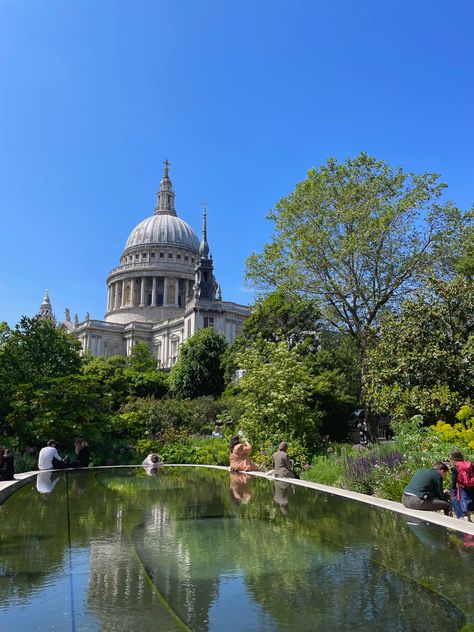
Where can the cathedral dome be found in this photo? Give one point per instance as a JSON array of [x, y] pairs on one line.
[[163, 228]]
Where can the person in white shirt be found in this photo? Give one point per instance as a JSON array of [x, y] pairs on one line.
[[46, 456]]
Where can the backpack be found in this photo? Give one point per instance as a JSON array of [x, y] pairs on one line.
[[465, 476]]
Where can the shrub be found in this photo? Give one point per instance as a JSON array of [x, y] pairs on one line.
[[192, 450], [325, 470]]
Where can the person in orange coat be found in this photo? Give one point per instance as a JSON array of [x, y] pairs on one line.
[[240, 456]]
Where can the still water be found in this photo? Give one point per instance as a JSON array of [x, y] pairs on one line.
[[200, 549]]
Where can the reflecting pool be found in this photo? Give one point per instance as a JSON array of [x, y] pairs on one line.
[[200, 549]]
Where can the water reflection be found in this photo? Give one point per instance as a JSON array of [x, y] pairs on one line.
[[282, 494], [154, 552], [151, 470], [47, 481], [240, 491]]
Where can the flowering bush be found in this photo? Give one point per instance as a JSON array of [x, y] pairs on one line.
[[462, 433], [365, 474]]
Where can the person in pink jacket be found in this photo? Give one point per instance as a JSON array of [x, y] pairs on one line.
[[240, 450]]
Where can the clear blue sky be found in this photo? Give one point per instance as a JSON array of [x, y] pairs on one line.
[[242, 98]]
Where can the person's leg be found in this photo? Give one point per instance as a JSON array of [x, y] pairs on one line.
[[413, 502], [440, 504]]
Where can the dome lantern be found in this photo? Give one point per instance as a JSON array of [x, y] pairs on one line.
[[165, 196]]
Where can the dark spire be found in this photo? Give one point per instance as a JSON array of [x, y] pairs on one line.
[[205, 285], [204, 247]]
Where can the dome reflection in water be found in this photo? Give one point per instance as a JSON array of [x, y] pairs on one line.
[[194, 549]]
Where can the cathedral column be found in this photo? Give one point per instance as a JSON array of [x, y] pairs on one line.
[[142, 291], [165, 291], [122, 302], [132, 292], [109, 297], [153, 292], [176, 292], [116, 295]]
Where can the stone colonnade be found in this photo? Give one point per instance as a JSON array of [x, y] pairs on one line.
[[146, 291]]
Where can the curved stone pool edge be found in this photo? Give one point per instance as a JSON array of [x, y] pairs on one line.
[[9, 487]]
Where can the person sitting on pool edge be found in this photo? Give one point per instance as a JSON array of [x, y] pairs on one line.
[[425, 490], [49, 459], [7, 467], [82, 451], [240, 456], [152, 460], [282, 465], [151, 464]]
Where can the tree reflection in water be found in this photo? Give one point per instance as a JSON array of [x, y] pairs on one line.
[[189, 537]]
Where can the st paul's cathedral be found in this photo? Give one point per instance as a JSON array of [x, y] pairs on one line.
[[162, 292]]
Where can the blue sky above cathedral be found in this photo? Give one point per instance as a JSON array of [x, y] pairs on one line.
[[241, 97]]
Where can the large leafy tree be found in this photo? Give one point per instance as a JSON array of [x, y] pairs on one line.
[[330, 357], [59, 407], [355, 237], [199, 369], [424, 360], [32, 353], [37, 349]]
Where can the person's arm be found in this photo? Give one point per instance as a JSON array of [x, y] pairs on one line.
[[56, 455], [289, 464], [454, 477], [439, 489], [246, 448]]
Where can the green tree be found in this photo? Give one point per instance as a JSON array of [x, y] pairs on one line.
[[141, 359], [60, 407], [277, 396], [37, 349], [424, 360], [355, 237], [110, 377], [33, 352], [276, 317], [283, 316], [121, 378], [199, 369]]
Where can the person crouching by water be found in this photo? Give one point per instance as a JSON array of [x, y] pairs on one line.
[[83, 453], [282, 465], [7, 467], [462, 485], [425, 490], [240, 456]]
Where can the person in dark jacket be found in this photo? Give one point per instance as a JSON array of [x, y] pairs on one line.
[[7, 466], [425, 490], [82, 450]]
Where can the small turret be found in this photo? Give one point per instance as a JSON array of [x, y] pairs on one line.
[[45, 311]]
